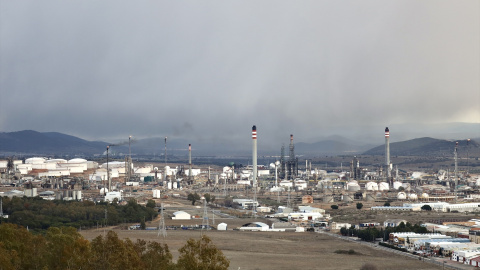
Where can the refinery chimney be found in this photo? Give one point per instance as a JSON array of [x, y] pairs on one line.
[[387, 152], [254, 160], [190, 163]]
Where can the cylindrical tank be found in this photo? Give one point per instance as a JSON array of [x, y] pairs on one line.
[[353, 186], [74, 195], [397, 185], [371, 186], [401, 196], [216, 179], [102, 191], [169, 185], [58, 196], [413, 196], [79, 195], [383, 186]]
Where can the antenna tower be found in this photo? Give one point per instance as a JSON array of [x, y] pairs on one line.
[[205, 224], [161, 225]]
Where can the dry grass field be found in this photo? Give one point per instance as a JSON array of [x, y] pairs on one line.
[[280, 250]]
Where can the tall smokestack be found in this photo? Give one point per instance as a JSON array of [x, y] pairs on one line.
[[387, 151], [254, 159], [190, 162]]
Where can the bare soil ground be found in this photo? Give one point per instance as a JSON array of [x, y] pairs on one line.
[[280, 250]]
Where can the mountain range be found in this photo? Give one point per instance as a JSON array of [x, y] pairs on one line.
[[29, 142]]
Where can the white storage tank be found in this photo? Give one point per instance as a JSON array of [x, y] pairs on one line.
[[103, 191], [371, 186], [79, 195], [383, 186], [425, 196], [401, 196], [353, 186], [397, 185], [413, 196], [156, 193]]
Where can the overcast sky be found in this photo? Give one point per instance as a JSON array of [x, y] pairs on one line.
[[209, 70]]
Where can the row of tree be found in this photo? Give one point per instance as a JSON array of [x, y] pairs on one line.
[[193, 197], [38, 214], [371, 233], [65, 248]]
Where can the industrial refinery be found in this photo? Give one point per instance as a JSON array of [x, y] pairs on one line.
[[290, 193]]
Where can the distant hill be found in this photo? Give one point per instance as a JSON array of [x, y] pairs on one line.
[[426, 147], [47, 143], [29, 142], [333, 145]]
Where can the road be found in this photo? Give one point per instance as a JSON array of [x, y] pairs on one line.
[[446, 263]]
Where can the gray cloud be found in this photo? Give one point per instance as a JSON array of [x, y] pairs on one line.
[[211, 70]]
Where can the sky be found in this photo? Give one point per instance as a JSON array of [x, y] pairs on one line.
[[210, 70]]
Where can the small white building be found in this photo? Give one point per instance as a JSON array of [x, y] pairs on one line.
[[110, 196], [255, 226], [222, 227], [181, 215], [393, 222]]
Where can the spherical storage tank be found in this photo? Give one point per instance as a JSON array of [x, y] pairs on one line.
[[413, 196], [353, 186], [401, 196], [397, 185], [371, 186], [383, 186], [425, 196]]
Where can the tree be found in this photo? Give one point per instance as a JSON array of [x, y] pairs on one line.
[[334, 206], [209, 198], [143, 226], [359, 205], [151, 204], [112, 253], [67, 249], [193, 197], [426, 207], [201, 254], [386, 204]]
